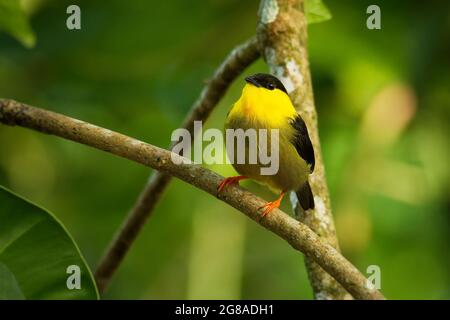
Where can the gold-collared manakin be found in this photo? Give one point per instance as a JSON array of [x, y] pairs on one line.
[[265, 104]]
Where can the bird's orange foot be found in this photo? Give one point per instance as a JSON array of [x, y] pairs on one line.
[[269, 206], [230, 180]]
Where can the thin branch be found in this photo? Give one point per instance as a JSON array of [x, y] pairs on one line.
[[297, 234], [239, 59], [282, 32]]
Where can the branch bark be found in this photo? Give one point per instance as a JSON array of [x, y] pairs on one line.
[[282, 33], [297, 234], [240, 58]]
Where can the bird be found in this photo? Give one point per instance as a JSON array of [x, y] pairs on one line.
[[265, 104]]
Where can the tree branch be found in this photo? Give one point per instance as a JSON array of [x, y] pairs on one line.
[[282, 32], [297, 234], [239, 59]]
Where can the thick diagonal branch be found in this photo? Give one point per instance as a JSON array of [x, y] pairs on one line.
[[240, 58], [282, 32], [297, 234]]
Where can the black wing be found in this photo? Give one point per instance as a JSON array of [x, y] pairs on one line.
[[302, 142]]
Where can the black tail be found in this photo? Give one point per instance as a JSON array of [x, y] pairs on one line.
[[305, 197]]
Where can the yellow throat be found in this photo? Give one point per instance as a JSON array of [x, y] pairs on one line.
[[269, 107]]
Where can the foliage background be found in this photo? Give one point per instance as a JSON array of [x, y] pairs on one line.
[[383, 103]]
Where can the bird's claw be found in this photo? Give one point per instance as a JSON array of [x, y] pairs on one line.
[[268, 207], [227, 181]]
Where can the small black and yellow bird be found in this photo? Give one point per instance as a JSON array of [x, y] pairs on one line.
[[265, 104]]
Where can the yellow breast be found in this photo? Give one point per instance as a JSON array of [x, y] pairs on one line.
[[269, 107], [260, 108]]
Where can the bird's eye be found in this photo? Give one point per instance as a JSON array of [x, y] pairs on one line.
[[270, 86]]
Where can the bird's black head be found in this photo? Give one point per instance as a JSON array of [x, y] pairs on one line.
[[265, 81]]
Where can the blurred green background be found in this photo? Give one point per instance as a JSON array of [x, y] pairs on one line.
[[384, 108]]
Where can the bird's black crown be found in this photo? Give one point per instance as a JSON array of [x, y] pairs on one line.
[[265, 80]]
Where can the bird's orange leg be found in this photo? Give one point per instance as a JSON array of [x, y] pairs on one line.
[[269, 206], [230, 180]]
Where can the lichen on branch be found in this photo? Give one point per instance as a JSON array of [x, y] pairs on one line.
[[283, 40]]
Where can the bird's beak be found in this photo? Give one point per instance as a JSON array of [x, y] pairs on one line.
[[253, 81]]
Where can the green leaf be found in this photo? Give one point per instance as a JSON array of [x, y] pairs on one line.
[[35, 252], [14, 21], [316, 11]]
